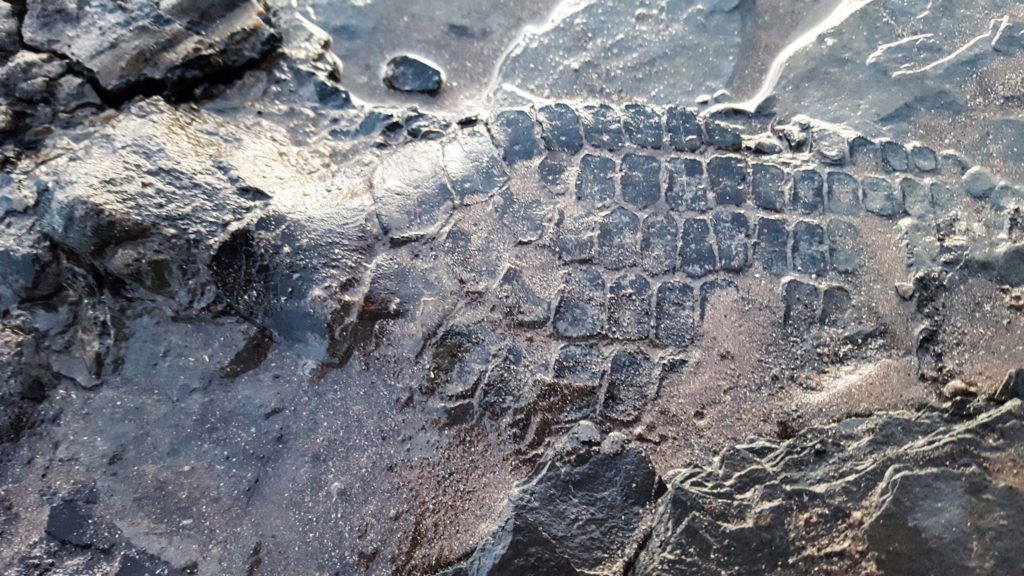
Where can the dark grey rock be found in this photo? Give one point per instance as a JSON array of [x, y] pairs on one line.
[[574, 238], [979, 183], [406, 73], [631, 386], [571, 516], [727, 176], [560, 128], [881, 197], [865, 152], [843, 194], [9, 40], [458, 361], [642, 125], [581, 306], [844, 246], [74, 522], [923, 480], [831, 145], [810, 252], [177, 43], [552, 171], [836, 302], [732, 233], [523, 307], [515, 134], [596, 180], [659, 243], [502, 390], [411, 192], [687, 186], [967, 532], [895, 157], [767, 186], [675, 314], [1009, 39], [474, 169], [618, 239], [924, 158], [640, 180], [917, 197], [580, 364], [722, 135], [1010, 265], [602, 127], [522, 214], [1012, 387], [696, 253], [801, 301], [944, 197], [772, 247], [808, 192], [629, 308], [684, 131]]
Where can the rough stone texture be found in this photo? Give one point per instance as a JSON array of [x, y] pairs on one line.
[[559, 521], [411, 74], [175, 42], [891, 494], [602, 49]]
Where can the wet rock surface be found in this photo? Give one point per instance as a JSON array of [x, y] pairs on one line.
[[249, 324], [411, 74]]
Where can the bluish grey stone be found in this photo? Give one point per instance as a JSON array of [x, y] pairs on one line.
[[895, 157], [881, 197], [924, 158], [801, 302], [732, 232], [722, 135], [772, 247], [574, 238], [602, 127], [675, 321], [696, 253], [808, 192], [843, 194], [642, 125], [640, 180], [687, 186], [522, 305], [595, 182], [659, 244], [410, 74], [515, 134], [581, 306], [917, 197], [844, 246], [684, 131], [727, 176], [629, 308], [836, 302], [618, 238], [979, 183], [560, 128], [631, 386], [767, 183], [810, 253]]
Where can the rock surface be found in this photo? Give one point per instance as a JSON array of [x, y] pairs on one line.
[[251, 325], [177, 44], [929, 493], [411, 74]]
